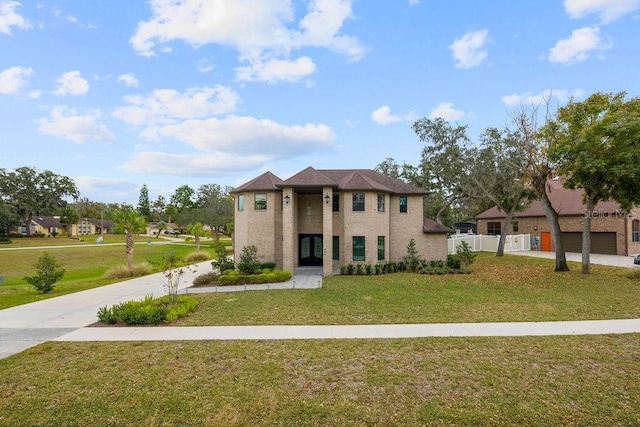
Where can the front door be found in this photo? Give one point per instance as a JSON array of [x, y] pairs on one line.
[[545, 241], [310, 250]]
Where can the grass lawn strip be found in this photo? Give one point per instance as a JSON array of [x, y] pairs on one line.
[[508, 289], [550, 381]]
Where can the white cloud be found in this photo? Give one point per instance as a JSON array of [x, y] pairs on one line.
[[275, 70], [248, 136], [383, 116], [607, 10], [14, 78], [10, 18], [469, 50], [165, 106], [560, 95], [71, 83], [414, 2], [129, 79], [69, 18], [107, 189], [264, 38], [579, 46], [446, 111], [64, 122], [204, 66], [199, 164]]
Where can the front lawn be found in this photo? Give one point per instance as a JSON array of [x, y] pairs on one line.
[[85, 267], [526, 381], [512, 288]]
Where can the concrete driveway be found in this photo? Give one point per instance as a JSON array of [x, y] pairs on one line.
[[613, 260], [27, 325]]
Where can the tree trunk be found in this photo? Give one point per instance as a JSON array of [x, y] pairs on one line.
[[556, 233], [197, 238], [586, 233], [503, 233], [129, 249]]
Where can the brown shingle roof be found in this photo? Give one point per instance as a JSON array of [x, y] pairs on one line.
[[431, 226], [47, 221], [565, 201], [308, 177], [339, 179], [265, 182]]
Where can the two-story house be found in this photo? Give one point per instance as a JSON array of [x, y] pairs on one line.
[[333, 217]]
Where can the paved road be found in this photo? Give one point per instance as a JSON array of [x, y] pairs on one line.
[[65, 318]]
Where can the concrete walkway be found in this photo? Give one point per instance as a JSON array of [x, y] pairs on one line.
[[65, 318]]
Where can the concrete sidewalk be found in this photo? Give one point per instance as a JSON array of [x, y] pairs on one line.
[[284, 332]]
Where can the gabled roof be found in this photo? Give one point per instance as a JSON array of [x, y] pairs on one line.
[[339, 179], [47, 221], [265, 182], [566, 202], [431, 226], [308, 177], [106, 223]]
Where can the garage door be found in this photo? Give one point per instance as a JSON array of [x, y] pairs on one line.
[[601, 243]]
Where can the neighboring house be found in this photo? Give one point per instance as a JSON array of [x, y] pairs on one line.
[[333, 217], [47, 225], [612, 231], [152, 228], [91, 226]]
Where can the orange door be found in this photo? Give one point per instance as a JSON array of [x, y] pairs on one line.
[[545, 241]]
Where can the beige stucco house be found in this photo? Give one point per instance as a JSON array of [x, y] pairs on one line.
[[613, 231], [333, 217]]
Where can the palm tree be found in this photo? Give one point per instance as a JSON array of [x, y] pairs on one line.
[[132, 223], [197, 230]]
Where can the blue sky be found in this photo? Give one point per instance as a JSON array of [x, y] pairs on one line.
[[116, 94]]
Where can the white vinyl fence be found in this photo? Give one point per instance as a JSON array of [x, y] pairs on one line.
[[480, 242]]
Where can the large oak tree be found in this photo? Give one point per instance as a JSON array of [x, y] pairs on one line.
[[32, 192]]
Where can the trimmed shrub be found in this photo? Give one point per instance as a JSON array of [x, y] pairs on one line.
[[196, 257], [270, 265], [206, 279], [248, 263], [147, 311], [123, 272], [453, 261]]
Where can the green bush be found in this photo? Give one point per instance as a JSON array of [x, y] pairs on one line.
[[206, 279], [270, 265], [453, 261], [148, 311], [235, 278], [248, 263], [48, 272]]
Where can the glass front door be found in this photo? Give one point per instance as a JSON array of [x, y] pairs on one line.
[[310, 250]]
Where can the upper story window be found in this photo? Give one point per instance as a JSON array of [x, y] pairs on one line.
[[336, 203], [403, 203], [241, 202], [260, 201], [381, 198], [358, 202]]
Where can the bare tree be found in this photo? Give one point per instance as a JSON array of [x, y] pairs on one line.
[[535, 144]]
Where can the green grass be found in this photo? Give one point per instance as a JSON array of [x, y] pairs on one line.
[[528, 381], [85, 266], [512, 288]]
